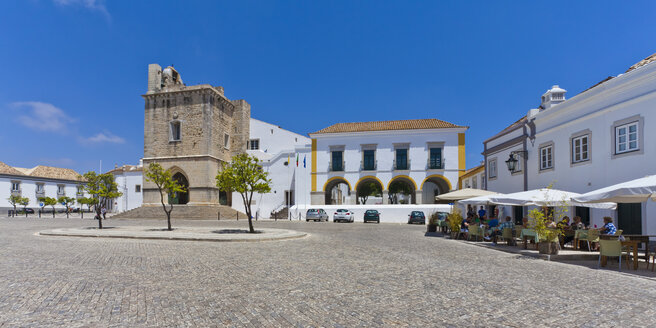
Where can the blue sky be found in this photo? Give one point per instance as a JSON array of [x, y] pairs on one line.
[[73, 70]]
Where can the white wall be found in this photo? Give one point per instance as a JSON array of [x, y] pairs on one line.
[[127, 182], [595, 111], [385, 153], [28, 189], [389, 213]]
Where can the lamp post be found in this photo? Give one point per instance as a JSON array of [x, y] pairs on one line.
[[512, 161]]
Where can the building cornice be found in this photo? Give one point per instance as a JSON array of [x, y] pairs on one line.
[[387, 132], [29, 177]]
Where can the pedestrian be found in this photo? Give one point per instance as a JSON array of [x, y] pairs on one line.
[[481, 212], [104, 212]]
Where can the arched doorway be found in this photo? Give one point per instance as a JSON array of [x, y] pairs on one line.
[[369, 189], [432, 186], [402, 190], [337, 191], [180, 197]]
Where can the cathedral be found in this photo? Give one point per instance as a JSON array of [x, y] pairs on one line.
[[192, 131]]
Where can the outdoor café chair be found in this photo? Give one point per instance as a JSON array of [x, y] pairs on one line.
[[593, 237], [507, 235], [611, 248], [475, 231]]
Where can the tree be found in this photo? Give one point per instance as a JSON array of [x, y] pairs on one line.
[[49, 201], [165, 184], [24, 201], [66, 201], [399, 187], [245, 176], [13, 200], [85, 201], [368, 189], [102, 188]]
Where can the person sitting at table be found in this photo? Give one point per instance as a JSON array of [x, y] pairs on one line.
[[525, 222], [464, 227], [491, 226], [577, 224], [608, 228], [499, 231]]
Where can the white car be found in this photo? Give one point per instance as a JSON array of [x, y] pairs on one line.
[[343, 216]]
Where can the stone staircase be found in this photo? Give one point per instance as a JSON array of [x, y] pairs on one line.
[[282, 214], [207, 212]]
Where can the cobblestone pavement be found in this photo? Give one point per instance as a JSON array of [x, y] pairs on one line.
[[342, 275]]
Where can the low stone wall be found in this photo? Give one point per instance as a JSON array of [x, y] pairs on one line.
[[388, 213]]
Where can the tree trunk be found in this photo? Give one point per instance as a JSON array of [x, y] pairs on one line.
[[13, 214], [53, 212], [67, 211], [25, 209], [99, 216], [168, 217]]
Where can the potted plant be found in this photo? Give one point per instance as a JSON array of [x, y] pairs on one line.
[[455, 220], [539, 221], [433, 222]]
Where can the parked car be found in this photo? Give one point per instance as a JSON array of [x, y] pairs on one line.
[[371, 215], [343, 216], [416, 217], [28, 210], [316, 214]]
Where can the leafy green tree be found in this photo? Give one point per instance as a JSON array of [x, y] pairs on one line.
[[13, 200], [245, 176], [49, 201], [24, 201], [102, 189], [399, 187], [66, 201], [368, 189], [165, 184], [85, 201]]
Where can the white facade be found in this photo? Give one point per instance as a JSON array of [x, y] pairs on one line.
[[425, 179], [595, 139], [34, 187], [275, 147], [129, 179]]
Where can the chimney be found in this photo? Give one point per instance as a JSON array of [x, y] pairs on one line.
[[553, 97]]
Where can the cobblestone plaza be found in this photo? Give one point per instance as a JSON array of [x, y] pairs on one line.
[[341, 275]]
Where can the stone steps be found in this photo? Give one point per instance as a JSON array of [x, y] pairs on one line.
[[208, 212]]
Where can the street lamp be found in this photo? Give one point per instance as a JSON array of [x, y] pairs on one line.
[[512, 161]]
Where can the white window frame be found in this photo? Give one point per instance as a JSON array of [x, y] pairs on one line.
[[546, 157], [40, 188], [172, 135], [250, 144], [492, 168], [61, 190], [583, 155], [627, 135], [137, 188], [15, 186], [474, 182]]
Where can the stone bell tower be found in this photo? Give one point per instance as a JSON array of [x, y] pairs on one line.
[[190, 130]]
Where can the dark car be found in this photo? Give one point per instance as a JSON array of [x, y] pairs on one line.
[[371, 215], [29, 211], [417, 217]]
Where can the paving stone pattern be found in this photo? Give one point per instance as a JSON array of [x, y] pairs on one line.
[[343, 275]]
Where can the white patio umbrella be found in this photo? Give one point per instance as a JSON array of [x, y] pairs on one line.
[[634, 191], [464, 194], [480, 200], [545, 197]]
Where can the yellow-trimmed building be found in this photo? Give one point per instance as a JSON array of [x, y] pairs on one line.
[[423, 157]]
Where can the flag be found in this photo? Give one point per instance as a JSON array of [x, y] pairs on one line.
[[304, 158], [296, 160]]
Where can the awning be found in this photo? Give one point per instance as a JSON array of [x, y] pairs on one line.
[[634, 191], [546, 197], [463, 194]]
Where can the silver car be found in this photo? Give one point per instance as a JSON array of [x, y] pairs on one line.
[[343, 216], [316, 214]]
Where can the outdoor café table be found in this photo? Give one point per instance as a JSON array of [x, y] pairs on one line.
[[578, 235], [642, 239], [628, 243], [531, 234]]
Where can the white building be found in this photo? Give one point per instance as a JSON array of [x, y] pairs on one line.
[[424, 157], [39, 181], [278, 149], [473, 178], [129, 179], [597, 138]]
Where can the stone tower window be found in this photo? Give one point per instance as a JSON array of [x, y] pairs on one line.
[[226, 140], [175, 134]]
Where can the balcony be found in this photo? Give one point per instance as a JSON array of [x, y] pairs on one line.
[[336, 166], [401, 165], [370, 166], [435, 164]]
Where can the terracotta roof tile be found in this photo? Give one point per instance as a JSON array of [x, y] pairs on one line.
[[55, 173], [431, 123], [642, 63], [6, 169]]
